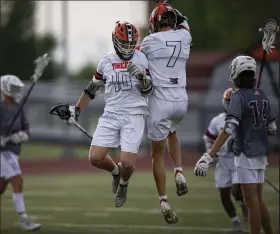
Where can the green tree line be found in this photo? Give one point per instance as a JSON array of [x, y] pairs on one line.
[[226, 24], [215, 24]]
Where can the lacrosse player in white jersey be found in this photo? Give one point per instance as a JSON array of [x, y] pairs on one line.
[[225, 173], [167, 50], [123, 120]]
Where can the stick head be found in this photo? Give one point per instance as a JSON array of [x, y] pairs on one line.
[[41, 63], [61, 110], [269, 29]]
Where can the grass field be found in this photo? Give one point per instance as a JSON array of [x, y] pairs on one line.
[[83, 203], [32, 151]]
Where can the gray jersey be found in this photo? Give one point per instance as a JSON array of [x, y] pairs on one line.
[[21, 124], [250, 110]]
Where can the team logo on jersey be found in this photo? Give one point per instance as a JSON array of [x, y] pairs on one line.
[[122, 65], [174, 80], [256, 92]]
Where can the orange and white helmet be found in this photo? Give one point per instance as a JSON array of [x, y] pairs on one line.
[[157, 14], [125, 38], [226, 98]]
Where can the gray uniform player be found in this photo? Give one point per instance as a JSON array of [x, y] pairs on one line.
[[250, 122], [11, 145]]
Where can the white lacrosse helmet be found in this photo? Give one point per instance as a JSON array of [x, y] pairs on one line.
[[12, 86], [240, 64]]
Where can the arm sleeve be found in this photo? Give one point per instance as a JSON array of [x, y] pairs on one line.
[[235, 109], [98, 75]]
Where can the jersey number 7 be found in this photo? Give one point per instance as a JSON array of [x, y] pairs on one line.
[[176, 52]]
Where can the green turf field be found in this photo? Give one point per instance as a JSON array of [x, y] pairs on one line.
[[83, 203], [32, 151]]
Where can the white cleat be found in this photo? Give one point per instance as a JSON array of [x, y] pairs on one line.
[[181, 185], [168, 214], [237, 228], [28, 225]]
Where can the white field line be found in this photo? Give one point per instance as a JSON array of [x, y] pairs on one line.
[[116, 210], [63, 194], [139, 184], [96, 214], [138, 227], [41, 217]]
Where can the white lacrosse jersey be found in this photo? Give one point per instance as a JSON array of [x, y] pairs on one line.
[[122, 91], [167, 53], [215, 127]]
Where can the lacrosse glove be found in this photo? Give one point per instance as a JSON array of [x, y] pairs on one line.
[[74, 114]]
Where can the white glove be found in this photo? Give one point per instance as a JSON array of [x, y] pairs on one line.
[[4, 140], [74, 113], [19, 137], [136, 70], [202, 165], [182, 20]]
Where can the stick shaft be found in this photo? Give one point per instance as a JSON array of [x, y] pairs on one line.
[[272, 185], [261, 69], [83, 130]]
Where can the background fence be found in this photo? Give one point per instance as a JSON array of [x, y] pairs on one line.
[[201, 108]]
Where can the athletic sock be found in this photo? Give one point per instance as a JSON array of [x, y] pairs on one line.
[[178, 169], [122, 182], [163, 198], [235, 219], [116, 170], [19, 203]]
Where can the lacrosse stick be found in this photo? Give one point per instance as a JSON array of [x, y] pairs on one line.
[[269, 29], [272, 185], [41, 63], [62, 111]]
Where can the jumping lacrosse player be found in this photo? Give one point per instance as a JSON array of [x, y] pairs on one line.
[[225, 173], [167, 50], [123, 120], [11, 94], [249, 122]]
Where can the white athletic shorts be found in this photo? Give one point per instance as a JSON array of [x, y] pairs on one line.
[[250, 176], [124, 130], [165, 117], [225, 173], [9, 165]]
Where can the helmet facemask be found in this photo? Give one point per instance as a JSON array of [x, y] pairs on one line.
[[16, 93], [125, 48]]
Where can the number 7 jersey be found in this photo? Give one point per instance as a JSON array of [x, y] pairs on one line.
[[122, 91], [167, 53]]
